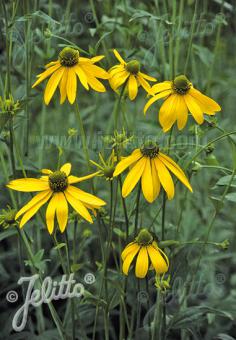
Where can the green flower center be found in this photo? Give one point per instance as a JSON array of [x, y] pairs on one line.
[[150, 149], [181, 84], [108, 171], [69, 57], [144, 238], [58, 181], [133, 66]]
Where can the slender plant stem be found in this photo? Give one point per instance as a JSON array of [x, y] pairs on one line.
[[137, 208]]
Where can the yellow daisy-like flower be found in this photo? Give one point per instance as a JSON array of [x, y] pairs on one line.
[[147, 252], [56, 187], [180, 98], [153, 168], [64, 72], [129, 75]]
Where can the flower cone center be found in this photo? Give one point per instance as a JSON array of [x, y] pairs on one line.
[[58, 181], [69, 57], [150, 150], [181, 84], [144, 238], [133, 66]]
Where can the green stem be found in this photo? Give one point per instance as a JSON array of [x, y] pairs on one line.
[[137, 209], [193, 24]]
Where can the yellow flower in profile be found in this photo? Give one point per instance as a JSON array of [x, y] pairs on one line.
[[180, 98], [153, 168], [56, 187], [148, 253], [64, 72], [129, 75]]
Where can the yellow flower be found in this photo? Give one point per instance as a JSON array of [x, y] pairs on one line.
[[64, 71], [181, 97], [56, 187], [147, 252], [152, 167], [129, 75]]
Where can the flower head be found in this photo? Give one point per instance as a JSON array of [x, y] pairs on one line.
[[57, 189], [64, 72], [153, 168], [146, 249], [128, 74], [7, 217], [107, 167], [180, 97]]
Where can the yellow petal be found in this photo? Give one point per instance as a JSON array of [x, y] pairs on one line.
[[141, 267], [155, 98], [97, 58], [130, 247], [62, 86], [144, 84], [71, 85], [118, 79], [118, 57], [85, 197], [66, 168], [159, 87], [127, 161], [73, 179], [133, 177], [132, 87], [46, 74], [165, 178], [182, 113], [147, 184], [78, 206], [96, 71], [167, 113], [33, 201], [50, 212], [46, 171], [194, 108], [28, 185], [157, 260], [52, 84], [129, 258], [82, 76], [95, 84], [155, 181], [179, 174], [207, 103], [145, 76], [62, 211]]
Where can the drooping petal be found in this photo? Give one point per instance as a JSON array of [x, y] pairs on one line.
[[175, 169], [130, 247], [33, 201], [82, 76], [157, 260], [144, 84], [159, 87], [145, 76], [167, 113], [62, 86], [118, 57], [97, 71], [127, 161], [28, 185], [78, 206], [155, 98], [62, 211], [71, 85], [133, 177], [118, 79], [194, 108], [182, 114], [97, 58], [132, 87], [52, 84], [208, 104], [85, 197], [50, 212], [155, 181], [165, 178], [128, 259], [147, 184], [141, 267], [46, 171], [46, 74], [95, 84], [66, 168]]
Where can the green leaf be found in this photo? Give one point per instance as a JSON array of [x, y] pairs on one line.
[[231, 197], [59, 246], [226, 180]]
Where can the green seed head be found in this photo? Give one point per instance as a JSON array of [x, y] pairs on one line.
[[133, 66], [181, 84], [58, 181], [108, 171], [69, 57], [150, 149], [144, 238]]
